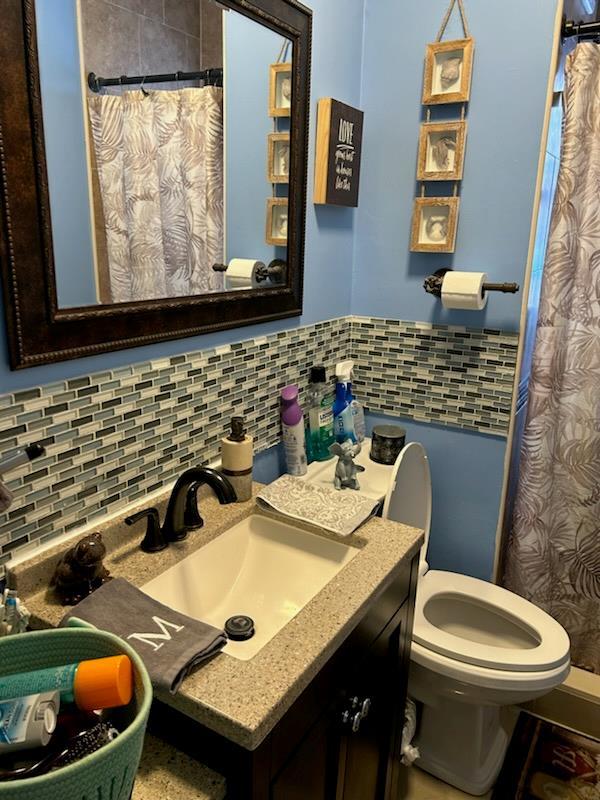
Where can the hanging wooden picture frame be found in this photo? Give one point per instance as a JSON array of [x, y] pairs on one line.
[[441, 151], [434, 224], [277, 221], [280, 89], [448, 72], [278, 158]]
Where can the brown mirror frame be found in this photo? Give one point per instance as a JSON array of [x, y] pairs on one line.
[[38, 331]]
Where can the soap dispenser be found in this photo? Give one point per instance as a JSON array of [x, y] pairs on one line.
[[236, 459]]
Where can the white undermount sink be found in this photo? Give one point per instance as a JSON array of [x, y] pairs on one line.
[[261, 568]]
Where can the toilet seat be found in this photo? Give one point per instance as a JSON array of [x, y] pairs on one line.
[[542, 645], [502, 680]]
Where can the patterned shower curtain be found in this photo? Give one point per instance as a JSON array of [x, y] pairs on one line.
[[553, 556], [160, 167]]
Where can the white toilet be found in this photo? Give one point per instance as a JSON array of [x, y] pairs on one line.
[[476, 647]]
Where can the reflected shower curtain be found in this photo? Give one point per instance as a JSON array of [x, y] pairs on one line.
[[160, 168], [553, 555]]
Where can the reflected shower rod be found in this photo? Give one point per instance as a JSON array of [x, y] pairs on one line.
[[583, 30], [213, 76]]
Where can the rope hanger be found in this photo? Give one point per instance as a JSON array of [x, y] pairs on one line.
[[446, 20], [283, 53]]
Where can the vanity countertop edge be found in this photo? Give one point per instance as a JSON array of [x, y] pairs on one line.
[[243, 700]]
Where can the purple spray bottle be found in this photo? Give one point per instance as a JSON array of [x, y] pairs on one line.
[[292, 424]]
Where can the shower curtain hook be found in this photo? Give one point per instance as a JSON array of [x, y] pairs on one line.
[[144, 91]]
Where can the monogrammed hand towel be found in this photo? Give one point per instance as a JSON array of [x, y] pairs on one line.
[[170, 644]]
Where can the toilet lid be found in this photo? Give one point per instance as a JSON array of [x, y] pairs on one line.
[[476, 622], [408, 499]]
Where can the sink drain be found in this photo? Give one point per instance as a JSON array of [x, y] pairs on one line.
[[239, 628]]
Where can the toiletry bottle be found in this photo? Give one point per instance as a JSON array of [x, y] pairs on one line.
[[343, 421], [93, 684], [77, 735], [292, 424], [358, 413], [320, 415], [11, 615], [236, 459], [28, 722], [14, 616]]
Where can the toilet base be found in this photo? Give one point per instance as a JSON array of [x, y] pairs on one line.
[[463, 744]]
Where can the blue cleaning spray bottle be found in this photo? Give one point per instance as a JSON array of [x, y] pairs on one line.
[[343, 421]]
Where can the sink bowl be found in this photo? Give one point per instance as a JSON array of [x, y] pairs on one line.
[[261, 568]]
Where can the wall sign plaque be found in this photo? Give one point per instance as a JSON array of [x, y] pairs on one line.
[[338, 152]]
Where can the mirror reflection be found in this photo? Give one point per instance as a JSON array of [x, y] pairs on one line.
[[168, 148]]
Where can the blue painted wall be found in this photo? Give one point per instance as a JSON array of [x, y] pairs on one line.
[[249, 50], [505, 118], [329, 231], [466, 479], [66, 151]]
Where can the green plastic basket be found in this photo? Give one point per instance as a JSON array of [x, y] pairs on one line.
[[108, 773]]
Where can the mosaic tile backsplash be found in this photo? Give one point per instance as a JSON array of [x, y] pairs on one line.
[[450, 375], [112, 437]]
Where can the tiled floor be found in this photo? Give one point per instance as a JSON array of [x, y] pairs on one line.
[[422, 786]]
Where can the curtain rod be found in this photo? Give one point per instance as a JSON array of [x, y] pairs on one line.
[[213, 76], [582, 30]]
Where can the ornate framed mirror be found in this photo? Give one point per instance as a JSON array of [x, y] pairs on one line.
[[137, 197]]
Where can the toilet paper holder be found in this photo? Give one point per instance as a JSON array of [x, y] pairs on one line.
[[433, 284], [276, 271]]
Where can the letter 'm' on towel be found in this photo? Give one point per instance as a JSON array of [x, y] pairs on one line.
[[170, 644]]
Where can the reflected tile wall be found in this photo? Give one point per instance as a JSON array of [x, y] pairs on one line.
[[137, 37]]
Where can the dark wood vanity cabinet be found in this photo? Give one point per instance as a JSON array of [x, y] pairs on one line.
[[349, 753], [341, 738]]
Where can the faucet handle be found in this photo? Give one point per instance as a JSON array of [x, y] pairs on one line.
[[191, 514], [153, 541]]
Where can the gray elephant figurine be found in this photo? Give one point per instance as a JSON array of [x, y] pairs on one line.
[[346, 469]]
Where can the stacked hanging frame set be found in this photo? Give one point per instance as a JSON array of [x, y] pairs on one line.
[[278, 148], [447, 80]]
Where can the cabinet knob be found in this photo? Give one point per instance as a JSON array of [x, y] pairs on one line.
[[365, 708], [356, 713]]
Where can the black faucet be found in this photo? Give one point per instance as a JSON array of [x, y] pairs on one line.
[[182, 513], [175, 526]]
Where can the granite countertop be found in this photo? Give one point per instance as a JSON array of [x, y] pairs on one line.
[[243, 700], [165, 773]]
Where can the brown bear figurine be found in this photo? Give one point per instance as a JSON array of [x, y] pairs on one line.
[[81, 570]]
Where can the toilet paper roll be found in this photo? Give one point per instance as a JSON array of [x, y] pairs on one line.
[[464, 290], [241, 273]]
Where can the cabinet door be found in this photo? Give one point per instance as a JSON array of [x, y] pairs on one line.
[[312, 771], [370, 730]]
